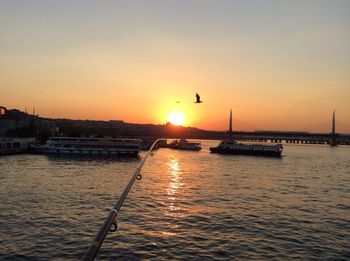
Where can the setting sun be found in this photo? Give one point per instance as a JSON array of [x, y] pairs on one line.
[[176, 118]]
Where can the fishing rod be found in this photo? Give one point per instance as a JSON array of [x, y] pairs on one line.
[[111, 218]]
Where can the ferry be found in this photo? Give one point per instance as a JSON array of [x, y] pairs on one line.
[[230, 146], [234, 148], [15, 145], [147, 143], [183, 144], [89, 146]]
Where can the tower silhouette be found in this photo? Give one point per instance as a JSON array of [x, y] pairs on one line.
[[230, 126], [333, 141]]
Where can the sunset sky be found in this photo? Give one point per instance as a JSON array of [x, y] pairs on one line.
[[280, 65]]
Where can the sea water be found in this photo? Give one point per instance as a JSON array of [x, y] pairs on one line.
[[187, 206]]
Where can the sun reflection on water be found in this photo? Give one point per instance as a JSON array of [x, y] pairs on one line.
[[175, 184], [175, 178]]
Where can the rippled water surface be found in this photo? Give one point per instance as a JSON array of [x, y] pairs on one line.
[[188, 205]]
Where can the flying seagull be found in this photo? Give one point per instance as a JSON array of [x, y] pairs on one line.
[[198, 99]]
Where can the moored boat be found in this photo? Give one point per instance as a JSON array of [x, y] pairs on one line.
[[89, 146], [15, 145], [183, 144]]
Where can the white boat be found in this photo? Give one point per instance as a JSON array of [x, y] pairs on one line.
[[89, 146], [184, 145]]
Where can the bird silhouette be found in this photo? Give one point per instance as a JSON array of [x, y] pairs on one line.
[[198, 99]]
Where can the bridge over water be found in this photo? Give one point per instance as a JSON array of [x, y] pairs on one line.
[[332, 138], [293, 137]]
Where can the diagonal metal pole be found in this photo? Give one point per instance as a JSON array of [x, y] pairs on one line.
[[111, 218]]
